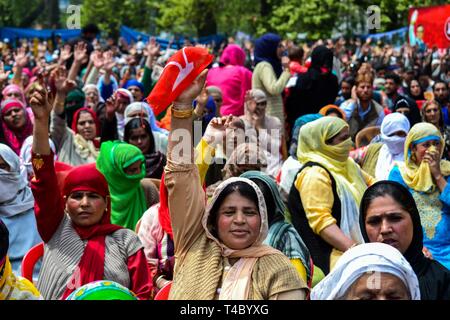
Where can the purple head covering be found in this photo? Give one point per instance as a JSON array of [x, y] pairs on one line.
[[266, 50]]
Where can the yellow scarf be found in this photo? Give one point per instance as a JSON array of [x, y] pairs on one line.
[[418, 177], [16, 288], [312, 146]]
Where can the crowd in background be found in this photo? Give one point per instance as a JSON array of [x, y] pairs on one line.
[[311, 165]]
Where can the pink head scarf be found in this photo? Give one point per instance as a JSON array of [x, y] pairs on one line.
[[233, 55], [13, 88]]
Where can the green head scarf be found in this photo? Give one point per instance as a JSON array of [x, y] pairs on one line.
[[281, 212], [74, 100], [128, 201]]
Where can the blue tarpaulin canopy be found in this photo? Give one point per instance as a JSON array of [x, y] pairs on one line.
[[131, 35], [22, 33]]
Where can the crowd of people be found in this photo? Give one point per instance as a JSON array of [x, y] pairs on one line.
[[279, 171]]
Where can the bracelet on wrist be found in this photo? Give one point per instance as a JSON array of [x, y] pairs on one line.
[[181, 105], [182, 114]]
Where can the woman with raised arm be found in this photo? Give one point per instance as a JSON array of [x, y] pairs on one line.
[[73, 219], [79, 144], [219, 251]]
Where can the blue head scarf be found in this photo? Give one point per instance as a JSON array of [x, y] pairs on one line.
[[211, 112], [134, 82], [266, 50]]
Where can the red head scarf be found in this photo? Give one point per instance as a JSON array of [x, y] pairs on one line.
[[163, 210], [15, 139], [92, 264], [76, 116], [180, 71]]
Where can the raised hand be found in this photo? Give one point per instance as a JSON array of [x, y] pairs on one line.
[[97, 59], [40, 103], [21, 58], [66, 53], [190, 93], [108, 61], [153, 47], [433, 158], [216, 130], [62, 84], [202, 98], [111, 107], [80, 52]]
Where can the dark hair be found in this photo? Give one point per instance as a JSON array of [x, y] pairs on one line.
[[438, 82], [333, 111], [244, 189], [403, 197], [137, 123], [4, 240], [295, 53], [90, 28], [399, 193], [350, 80], [394, 77]]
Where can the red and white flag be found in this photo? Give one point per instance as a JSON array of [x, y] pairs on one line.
[[180, 71]]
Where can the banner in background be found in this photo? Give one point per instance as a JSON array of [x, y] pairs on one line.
[[430, 26], [395, 37]]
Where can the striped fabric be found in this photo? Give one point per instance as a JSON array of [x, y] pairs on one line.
[[63, 253]]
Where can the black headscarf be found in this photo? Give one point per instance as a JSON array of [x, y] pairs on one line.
[[321, 57], [434, 279], [414, 113], [419, 97], [314, 89], [154, 160]]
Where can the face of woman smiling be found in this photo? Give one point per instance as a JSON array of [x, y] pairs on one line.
[[238, 222]]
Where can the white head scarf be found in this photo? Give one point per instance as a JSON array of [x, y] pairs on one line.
[[25, 154], [93, 86], [144, 108], [121, 117], [137, 106], [368, 257], [393, 148], [15, 195]]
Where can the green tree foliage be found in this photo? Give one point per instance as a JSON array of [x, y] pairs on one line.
[[20, 13], [316, 18], [109, 15], [205, 17]]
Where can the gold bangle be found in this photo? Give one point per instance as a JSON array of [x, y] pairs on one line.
[[181, 114]]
